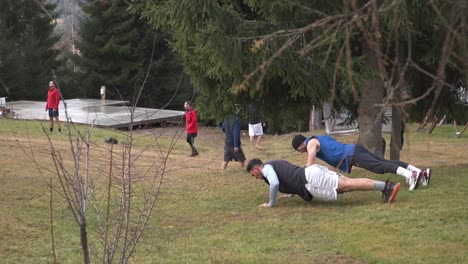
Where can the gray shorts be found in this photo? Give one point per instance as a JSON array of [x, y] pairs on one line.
[[321, 182]]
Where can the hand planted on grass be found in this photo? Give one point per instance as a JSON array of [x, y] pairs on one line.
[[264, 205]]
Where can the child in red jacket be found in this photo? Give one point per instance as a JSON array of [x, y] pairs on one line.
[[191, 125]]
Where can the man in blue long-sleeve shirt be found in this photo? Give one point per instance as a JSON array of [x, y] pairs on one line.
[[313, 181], [232, 143]]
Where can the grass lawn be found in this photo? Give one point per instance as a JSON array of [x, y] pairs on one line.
[[206, 215]]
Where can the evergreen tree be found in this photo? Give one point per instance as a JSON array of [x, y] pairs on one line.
[[218, 41], [309, 52], [27, 54], [116, 49], [435, 24]]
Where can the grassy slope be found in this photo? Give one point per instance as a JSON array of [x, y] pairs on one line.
[[208, 215]]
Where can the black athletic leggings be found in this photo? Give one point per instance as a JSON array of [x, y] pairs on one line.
[[191, 138], [365, 159]]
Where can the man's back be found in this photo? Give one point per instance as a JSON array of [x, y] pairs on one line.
[[334, 152], [291, 178]]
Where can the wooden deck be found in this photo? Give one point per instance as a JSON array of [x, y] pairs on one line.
[[101, 113]]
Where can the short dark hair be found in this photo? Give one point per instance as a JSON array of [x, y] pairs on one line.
[[252, 163], [189, 103], [297, 141]]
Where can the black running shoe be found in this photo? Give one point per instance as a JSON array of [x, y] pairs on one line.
[[111, 140], [390, 191]]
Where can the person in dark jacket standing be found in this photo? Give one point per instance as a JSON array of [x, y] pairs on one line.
[[232, 143], [53, 101], [191, 126], [313, 181]]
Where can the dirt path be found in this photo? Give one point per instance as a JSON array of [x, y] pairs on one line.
[[17, 152]]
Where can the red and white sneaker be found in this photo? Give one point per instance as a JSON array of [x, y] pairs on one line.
[[414, 180], [426, 178]]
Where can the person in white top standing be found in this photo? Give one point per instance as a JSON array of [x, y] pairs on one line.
[[255, 126]]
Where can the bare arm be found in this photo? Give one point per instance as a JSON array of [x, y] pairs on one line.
[[312, 148]]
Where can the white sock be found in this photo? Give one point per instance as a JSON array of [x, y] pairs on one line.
[[413, 168], [404, 172]]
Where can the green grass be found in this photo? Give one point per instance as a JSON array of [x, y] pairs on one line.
[[205, 215]]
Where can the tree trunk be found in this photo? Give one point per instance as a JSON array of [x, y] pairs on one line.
[[370, 115], [398, 125], [398, 128], [84, 242], [315, 118]]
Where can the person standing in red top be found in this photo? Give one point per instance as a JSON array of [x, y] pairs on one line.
[[191, 125], [53, 100]]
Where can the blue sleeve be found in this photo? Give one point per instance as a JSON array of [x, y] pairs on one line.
[[236, 135], [272, 178]]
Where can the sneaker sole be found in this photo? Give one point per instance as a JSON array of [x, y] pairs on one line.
[[429, 174], [396, 188], [417, 181]]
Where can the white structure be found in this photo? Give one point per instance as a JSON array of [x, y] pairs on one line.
[[101, 113], [334, 121]]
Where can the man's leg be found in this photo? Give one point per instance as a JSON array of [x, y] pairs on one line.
[[259, 133], [224, 165], [239, 156], [346, 184], [191, 141], [389, 189], [252, 136], [51, 124], [259, 138], [194, 149], [227, 157], [365, 159], [325, 184], [57, 120]]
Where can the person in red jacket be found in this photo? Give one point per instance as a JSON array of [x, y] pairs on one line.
[[53, 100], [191, 125]]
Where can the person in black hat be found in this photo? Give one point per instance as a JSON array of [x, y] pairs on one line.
[[345, 156], [255, 126]]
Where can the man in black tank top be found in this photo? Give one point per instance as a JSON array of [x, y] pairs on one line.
[[313, 181]]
